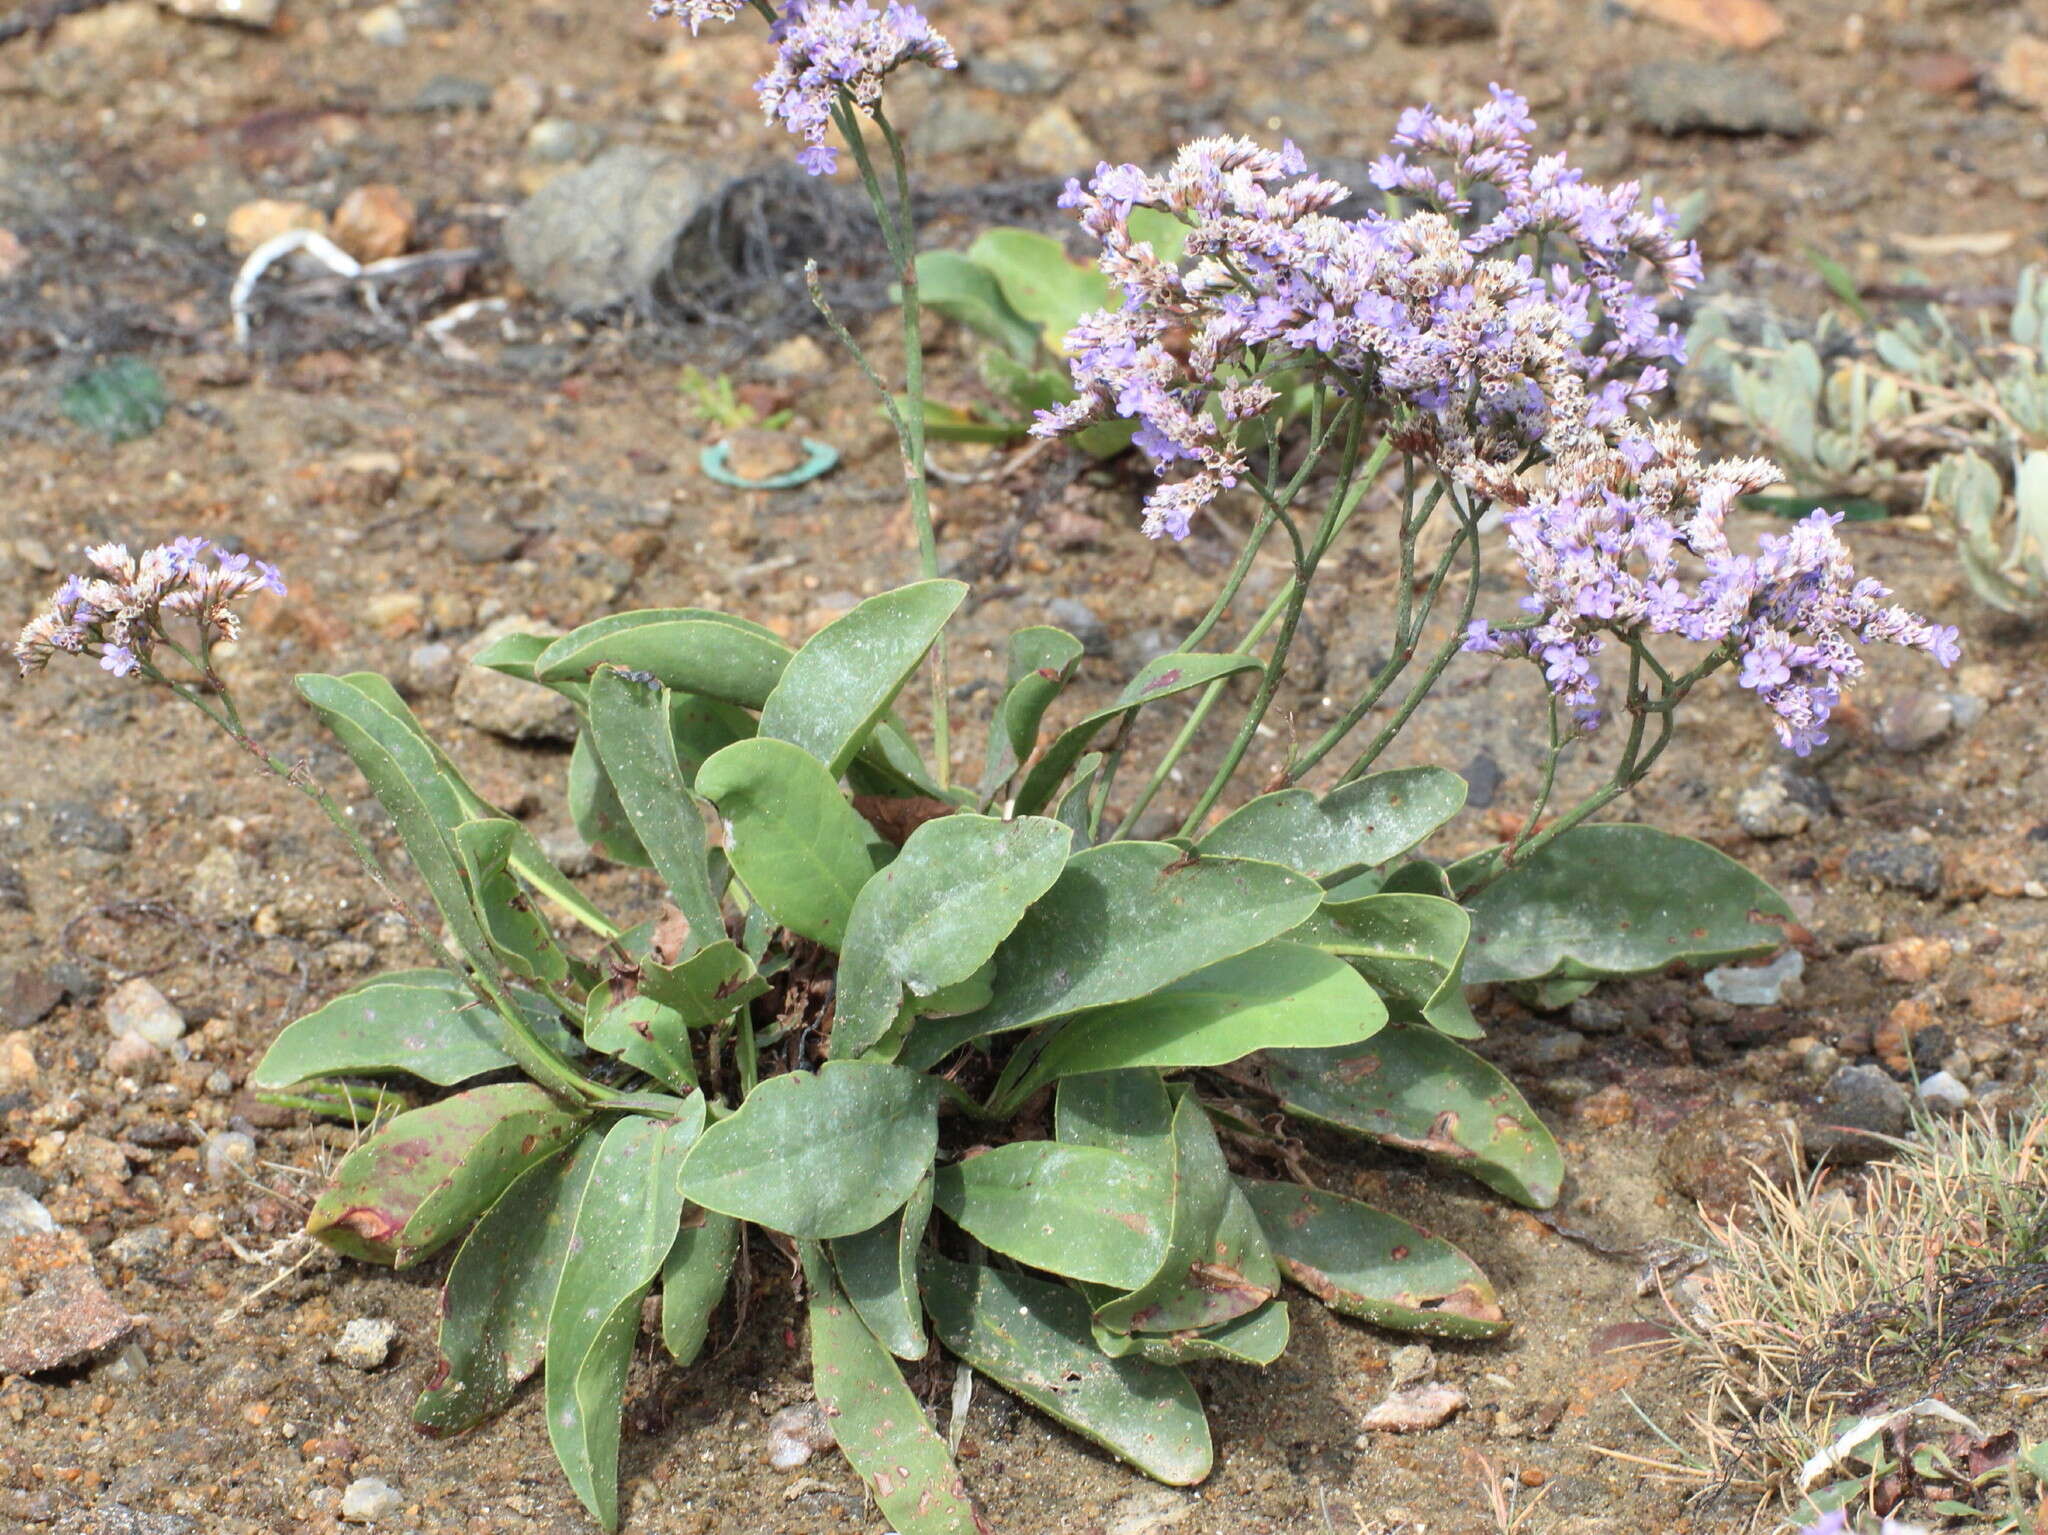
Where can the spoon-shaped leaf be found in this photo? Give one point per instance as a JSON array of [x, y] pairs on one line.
[[1080, 1211], [1411, 1087], [823, 1155], [426, 1023], [694, 1277], [878, 1270], [1366, 1263], [1121, 921], [794, 841], [631, 726], [494, 1307], [418, 1182], [1412, 949], [1042, 662], [1033, 1338], [624, 1226], [833, 691], [1357, 826], [935, 915], [878, 1421], [1616, 900]]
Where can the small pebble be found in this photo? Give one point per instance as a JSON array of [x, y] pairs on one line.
[[1944, 1093], [1413, 1410], [228, 1154], [365, 1343], [131, 1364], [1761, 985], [21, 1215], [797, 1433], [1911, 722], [136, 1007], [1410, 1365], [1079, 620], [370, 1498]]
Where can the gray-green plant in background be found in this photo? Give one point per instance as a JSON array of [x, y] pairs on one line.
[[1923, 408], [996, 1075]]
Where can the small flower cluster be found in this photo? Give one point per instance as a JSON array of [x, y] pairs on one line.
[[1837, 1523], [1600, 544], [120, 614], [1516, 384], [824, 47]]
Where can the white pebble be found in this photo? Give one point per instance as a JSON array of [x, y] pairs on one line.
[[365, 1343], [368, 1499], [1944, 1093]]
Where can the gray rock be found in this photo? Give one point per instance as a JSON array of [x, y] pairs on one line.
[[1759, 985], [369, 1499], [1079, 620], [1943, 1093], [13, 888], [1897, 861], [797, 1433], [1595, 1014], [430, 669], [218, 889], [29, 996], [365, 1343], [143, 1249], [1770, 806], [228, 1154], [597, 236], [957, 127], [1029, 68], [74, 824], [567, 851], [481, 542], [560, 141], [1430, 23], [131, 1364], [1914, 721], [1676, 96], [453, 93], [1858, 1105], [1482, 777], [1559, 1048], [136, 1007], [22, 1215], [518, 711]]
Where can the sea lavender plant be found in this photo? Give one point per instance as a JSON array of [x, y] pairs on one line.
[[877, 997]]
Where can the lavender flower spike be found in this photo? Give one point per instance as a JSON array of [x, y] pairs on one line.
[[121, 614], [694, 13], [825, 48]]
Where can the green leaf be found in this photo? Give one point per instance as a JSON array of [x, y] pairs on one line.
[[1042, 663], [1217, 1264], [1411, 1087], [1366, 1263], [1162, 677], [630, 726], [1412, 949], [1041, 282], [512, 654], [1166, 234], [1616, 900], [705, 988], [418, 1183], [1123, 1111], [1121, 921], [624, 1227], [935, 915], [712, 656], [878, 1270], [601, 821], [644, 1034], [494, 1307], [823, 1155], [1279, 993], [879, 1423], [1072, 810], [522, 939], [1256, 1338], [1358, 826], [526, 858], [425, 1023], [794, 841], [968, 293], [1033, 1338], [693, 1280], [124, 400], [842, 682], [953, 423], [402, 773], [1080, 1211]]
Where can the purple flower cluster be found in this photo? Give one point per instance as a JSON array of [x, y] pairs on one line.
[[120, 613], [823, 48], [1601, 545], [1512, 374]]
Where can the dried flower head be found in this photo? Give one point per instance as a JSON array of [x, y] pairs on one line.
[[694, 13], [120, 613]]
